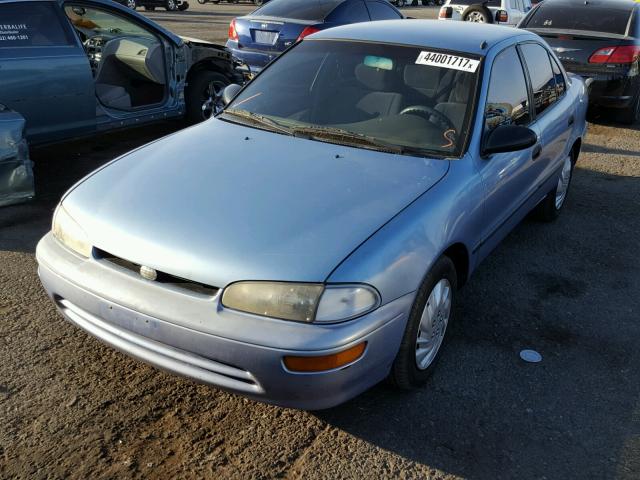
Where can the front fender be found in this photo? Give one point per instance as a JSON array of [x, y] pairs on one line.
[[397, 257]]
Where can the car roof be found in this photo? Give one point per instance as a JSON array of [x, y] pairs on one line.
[[459, 36]]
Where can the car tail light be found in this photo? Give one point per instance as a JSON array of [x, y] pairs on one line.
[[622, 54], [307, 31], [502, 16], [233, 34], [446, 12]]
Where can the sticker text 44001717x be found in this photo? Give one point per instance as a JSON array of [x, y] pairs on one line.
[[445, 60]]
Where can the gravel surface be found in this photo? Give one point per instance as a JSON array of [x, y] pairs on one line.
[[71, 407]]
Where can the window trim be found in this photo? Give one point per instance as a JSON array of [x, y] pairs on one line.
[[535, 115]]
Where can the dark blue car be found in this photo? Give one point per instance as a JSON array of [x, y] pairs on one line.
[[261, 36]]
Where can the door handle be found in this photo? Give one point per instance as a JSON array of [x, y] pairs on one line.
[[571, 120], [537, 150]]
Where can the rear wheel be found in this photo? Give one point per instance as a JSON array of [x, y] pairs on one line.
[[171, 5], [258, 2], [400, 3], [426, 328], [549, 209], [203, 96], [131, 4], [477, 14]]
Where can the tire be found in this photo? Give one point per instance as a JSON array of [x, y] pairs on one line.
[[258, 3], [132, 4], [631, 114], [197, 94], [183, 6], [170, 5], [400, 3], [406, 374], [202, 2], [551, 206], [477, 14]]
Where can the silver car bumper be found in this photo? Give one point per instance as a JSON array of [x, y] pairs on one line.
[[194, 336]]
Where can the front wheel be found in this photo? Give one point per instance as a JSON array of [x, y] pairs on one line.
[[171, 5], [426, 328], [203, 96], [131, 4], [477, 14], [550, 207]]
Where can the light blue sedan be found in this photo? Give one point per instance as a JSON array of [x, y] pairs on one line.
[[311, 239]]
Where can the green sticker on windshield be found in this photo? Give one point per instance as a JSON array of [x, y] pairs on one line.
[[382, 63]]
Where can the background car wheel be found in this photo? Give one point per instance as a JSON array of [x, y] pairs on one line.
[[477, 14], [426, 328], [400, 3], [631, 115], [203, 95], [258, 2], [171, 5], [131, 4], [202, 2], [549, 209]]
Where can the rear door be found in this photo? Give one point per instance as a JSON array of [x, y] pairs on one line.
[[553, 111], [44, 74]]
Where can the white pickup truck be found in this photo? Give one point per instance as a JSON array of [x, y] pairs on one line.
[[503, 12]]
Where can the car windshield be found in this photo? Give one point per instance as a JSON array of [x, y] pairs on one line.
[[407, 100], [587, 17]]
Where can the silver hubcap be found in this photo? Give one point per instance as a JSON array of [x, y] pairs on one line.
[[171, 4], [433, 323], [476, 17], [563, 183], [132, 3]]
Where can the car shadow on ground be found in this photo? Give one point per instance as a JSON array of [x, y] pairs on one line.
[[566, 289]]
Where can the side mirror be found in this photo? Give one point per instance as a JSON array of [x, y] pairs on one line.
[[509, 138], [229, 92]]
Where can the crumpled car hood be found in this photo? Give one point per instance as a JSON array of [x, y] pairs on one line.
[[221, 202]]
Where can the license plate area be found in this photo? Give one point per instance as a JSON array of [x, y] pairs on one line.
[[265, 37]]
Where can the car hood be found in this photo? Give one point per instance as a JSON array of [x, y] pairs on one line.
[[221, 202]]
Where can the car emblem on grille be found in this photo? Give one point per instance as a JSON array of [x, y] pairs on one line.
[[148, 273]]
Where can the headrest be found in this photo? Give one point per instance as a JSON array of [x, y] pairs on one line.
[[418, 76], [374, 78]]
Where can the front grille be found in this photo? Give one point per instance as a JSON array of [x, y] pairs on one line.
[[163, 277]]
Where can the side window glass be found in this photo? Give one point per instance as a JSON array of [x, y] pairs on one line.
[[31, 24], [381, 11], [507, 98], [351, 12], [90, 22], [543, 81], [560, 82]]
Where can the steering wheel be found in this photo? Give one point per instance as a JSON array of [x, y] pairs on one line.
[[428, 113]]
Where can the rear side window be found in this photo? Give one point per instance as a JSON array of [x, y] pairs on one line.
[[543, 81], [507, 98], [350, 12], [31, 24], [298, 9], [381, 11], [577, 16]]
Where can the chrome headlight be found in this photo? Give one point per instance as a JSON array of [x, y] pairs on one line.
[[302, 302], [69, 233]]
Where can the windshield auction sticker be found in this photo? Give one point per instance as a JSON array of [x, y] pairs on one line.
[[445, 60], [13, 32]]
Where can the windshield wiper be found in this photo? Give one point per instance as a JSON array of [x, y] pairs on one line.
[[346, 136], [258, 119]]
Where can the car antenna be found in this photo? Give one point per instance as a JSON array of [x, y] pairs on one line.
[[483, 45]]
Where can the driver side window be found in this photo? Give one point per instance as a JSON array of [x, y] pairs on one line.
[[507, 98]]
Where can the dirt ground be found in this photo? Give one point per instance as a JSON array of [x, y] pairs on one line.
[[73, 408]]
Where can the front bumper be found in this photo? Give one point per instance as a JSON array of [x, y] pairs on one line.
[[194, 336]]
